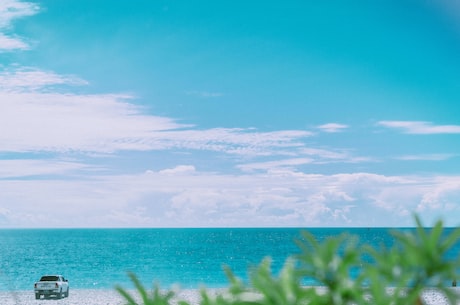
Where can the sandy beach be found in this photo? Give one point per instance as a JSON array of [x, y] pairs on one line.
[[82, 297], [111, 297]]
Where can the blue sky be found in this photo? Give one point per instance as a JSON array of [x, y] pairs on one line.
[[229, 113]]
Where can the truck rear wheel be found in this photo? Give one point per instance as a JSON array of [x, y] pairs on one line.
[[37, 296], [66, 294], [59, 295]]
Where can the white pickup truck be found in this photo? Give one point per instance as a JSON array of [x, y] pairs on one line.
[[49, 285]]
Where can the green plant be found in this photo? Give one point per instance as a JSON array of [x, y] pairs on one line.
[[155, 297], [346, 271], [416, 261]]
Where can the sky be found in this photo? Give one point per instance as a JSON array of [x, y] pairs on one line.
[[157, 113]]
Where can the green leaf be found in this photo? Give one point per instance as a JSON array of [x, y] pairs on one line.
[[352, 273]]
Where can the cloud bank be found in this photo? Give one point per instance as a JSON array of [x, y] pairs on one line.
[[183, 196]]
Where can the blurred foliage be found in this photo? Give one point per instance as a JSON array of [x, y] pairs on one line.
[[344, 272]]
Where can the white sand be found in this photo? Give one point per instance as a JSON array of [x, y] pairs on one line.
[[82, 297], [76, 297], [111, 297]]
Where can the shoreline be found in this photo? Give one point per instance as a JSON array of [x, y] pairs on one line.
[[112, 297]]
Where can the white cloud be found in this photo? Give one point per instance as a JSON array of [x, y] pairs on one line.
[[36, 121], [187, 197], [270, 165], [11, 43], [427, 157], [67, 122], [303, 156], [332, 127], [35, 117], [4, 215], [30, 167], [324, 156], [12, 9], [31, 79], [442, 197], [421, 127], [9, 11], [180, 169], [238, 141]]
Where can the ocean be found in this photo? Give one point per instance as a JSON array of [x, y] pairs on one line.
[[192, 258]]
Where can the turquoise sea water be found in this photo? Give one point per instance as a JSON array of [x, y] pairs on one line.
[[101, 258]]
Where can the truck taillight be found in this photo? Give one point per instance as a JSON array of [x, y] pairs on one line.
[[35, 285], [56, 285]]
